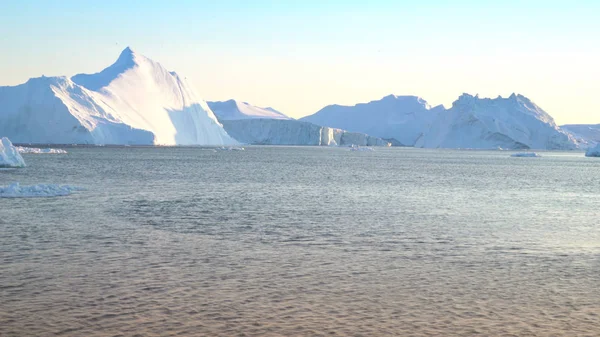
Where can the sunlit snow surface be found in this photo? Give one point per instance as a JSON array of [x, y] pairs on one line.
[[15, 190], [34, 150], [9, 155]]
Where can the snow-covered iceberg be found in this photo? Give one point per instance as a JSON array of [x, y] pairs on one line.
[[261, 131], [134, 101], [401, 119], [483, 123], [9, 155], [588, 135], [34, 150], [593, 151], [471, 123], [525, 155], [15, 190]]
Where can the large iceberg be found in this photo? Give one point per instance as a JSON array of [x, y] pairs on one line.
[[15, 190], [483, 123], [292, 132], [588, 135], [471, 123], [593, 151], [9, 155], [134, 101], [401, 119]]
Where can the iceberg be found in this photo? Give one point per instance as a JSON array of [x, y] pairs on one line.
[[593, 151], [483, 123], [525, 155], [268, 131], [134, 101], [9, 155], [34, 150], [361, 148], [513, 123], [230, 148], [15, 190], [232, 110], [400, 119]]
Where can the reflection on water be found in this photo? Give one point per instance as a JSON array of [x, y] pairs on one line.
[[302, 241]]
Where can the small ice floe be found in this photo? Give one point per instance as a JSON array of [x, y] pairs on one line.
[[28, 150], [361, 148], [9, 155], [15, 190], [593, 151], [230, 148], [525, 155]]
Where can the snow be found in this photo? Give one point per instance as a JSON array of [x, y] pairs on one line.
[[593, 151], [525, 155], [15, 190], [292, 132], [232, 110], [134, 101], [9, 155], [510, 123], [34, 150], [400, 118]]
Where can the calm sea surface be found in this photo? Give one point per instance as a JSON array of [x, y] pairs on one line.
[[306, 241]]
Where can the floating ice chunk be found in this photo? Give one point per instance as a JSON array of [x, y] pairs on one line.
[[22, 149], [230, 148], [593, 151], [361, 148], [9, 156], [15, 190], [525, 155]]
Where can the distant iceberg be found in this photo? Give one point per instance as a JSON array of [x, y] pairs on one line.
[[361, 148], [525, 155], [593, 151], [9, 155], [230, 148], [34, 150], [15, 190]]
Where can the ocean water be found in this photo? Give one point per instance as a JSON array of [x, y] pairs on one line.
[[302, 241]]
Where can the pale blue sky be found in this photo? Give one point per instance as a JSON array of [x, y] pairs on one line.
[[299, 56]]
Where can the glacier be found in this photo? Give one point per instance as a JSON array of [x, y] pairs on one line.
[[233, 110], [400, 119], [261, 131], [9, 155], [135, 101], [15, 190]]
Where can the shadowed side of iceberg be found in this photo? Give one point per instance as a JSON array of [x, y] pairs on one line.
[[9, 155]]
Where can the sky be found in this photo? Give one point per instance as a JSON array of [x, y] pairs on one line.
[[299, 56]]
